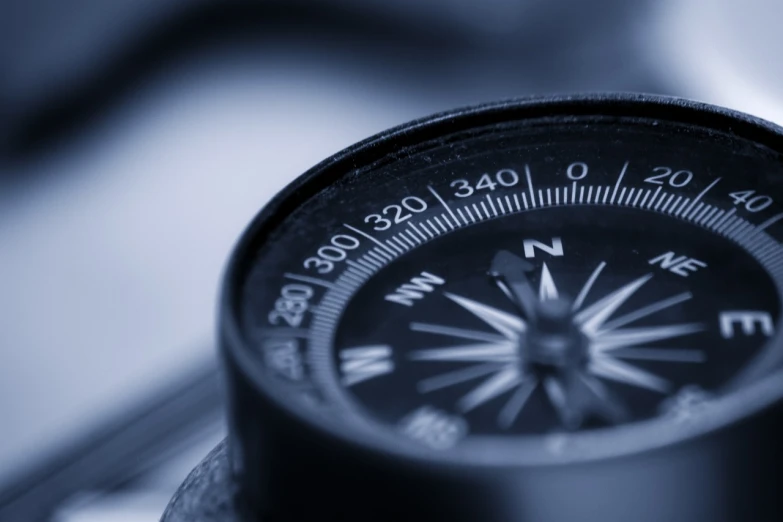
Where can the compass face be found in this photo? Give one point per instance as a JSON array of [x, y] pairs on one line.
[[631, 334], [510, 285]]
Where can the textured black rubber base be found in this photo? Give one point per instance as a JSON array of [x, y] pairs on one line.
[[207, 494]]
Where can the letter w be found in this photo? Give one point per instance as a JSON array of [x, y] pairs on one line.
[[415, 289]]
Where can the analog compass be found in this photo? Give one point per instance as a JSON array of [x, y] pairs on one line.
[[539, 287]]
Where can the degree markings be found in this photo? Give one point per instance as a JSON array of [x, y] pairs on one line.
[[681, 207], [636, 199], [368, 236], [361, 268], [696, 217], [484, 208], [462, 216], [630, 195], [661, 200], [712, 211], [394, 247], [529, 178], [476, 210], [732, 224], [382, 254], [489, 200], [519, 208], [655, 195], [720, 223], [442, 202], [714, 218], [439, 224], [412, 236], [619, 181], [646, 195], [309, 279], [694, 212], [413, 227], [402, 245], [674, 205], [702, 193]]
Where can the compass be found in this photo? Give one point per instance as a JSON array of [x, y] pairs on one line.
[[551, 309]]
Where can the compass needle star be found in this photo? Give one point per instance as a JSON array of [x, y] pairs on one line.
[[580, 298], [547, 289], [500, 383], [462, 333], [646, 310], [661, 354], [628, 337], [509, 325], [458, 376], [498, 352], [508, 414], [592, 317], [612, 369]]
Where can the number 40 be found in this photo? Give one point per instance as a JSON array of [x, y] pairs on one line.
[[750, 201]]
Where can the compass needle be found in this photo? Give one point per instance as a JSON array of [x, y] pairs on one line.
[[593, 317], [458, 376], [510, 326], [500, 383], [404, 311], [610, 368], [517, 401], [582, 295], [625, 338], [661, 354], [547, 289], [497, 352], [645, 311], [462, 333]]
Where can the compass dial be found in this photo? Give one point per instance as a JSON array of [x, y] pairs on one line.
[[522, 284], [556, 318]]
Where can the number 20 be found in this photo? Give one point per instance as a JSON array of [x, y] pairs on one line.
[[677, 180]]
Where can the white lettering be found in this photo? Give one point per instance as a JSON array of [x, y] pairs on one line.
[[360, 364], [433, 427], [679, 265], [555, 250], [748, 319], [415, 289]]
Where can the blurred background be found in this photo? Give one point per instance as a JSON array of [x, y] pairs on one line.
[[139, 137]]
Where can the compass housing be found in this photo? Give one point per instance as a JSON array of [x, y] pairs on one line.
[[304, 448]]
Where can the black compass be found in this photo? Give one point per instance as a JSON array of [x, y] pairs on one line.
[[560, 309]]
